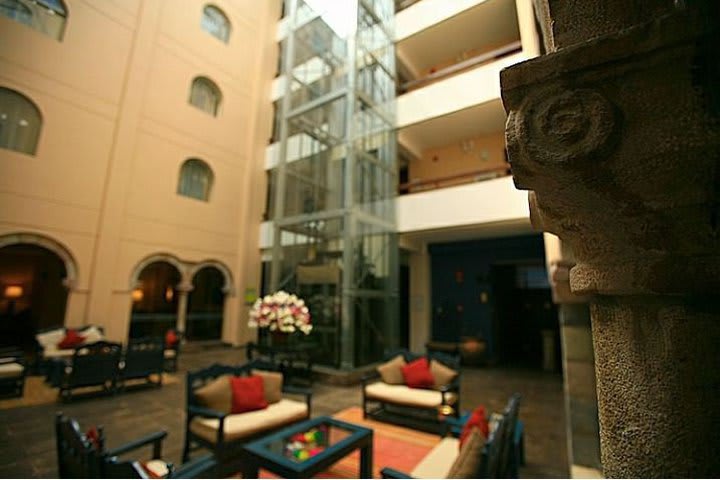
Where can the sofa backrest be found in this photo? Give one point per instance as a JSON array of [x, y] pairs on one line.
[[497, 454], [143, 356], [199, 378], [50, 337], [451, 361], [95, 363]]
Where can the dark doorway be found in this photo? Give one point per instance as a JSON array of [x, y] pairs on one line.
[[155, 301], [32, 294], [205, 305], [525, 315]]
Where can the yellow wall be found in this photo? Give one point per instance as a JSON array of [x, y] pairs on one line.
[[483, 152], [117, 125]]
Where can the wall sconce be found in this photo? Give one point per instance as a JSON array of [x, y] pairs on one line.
[[137, 295], [169, 294], [13, 292]]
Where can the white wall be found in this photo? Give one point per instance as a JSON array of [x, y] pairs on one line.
[[427, 13], [462, 91], [476, 203]]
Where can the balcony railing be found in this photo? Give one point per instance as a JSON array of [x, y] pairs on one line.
[[416, 186], [462, 66]]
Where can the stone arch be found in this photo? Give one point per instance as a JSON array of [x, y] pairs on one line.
[[159, 257], [71, 269], [229, 287]]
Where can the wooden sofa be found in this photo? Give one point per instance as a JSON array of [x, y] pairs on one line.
[[47, 344], [421, 409], [220, 431], [95, 364], [498, 457], [143, 358]]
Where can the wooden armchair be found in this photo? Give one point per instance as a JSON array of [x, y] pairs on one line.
[[497, 458], [95, 364], [13, 370], [142, 358], [83, 457], [222, 431]]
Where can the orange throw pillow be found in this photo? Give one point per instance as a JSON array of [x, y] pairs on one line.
[[478, 419], [72, 339], [171, 338], [417, 374], [248, 394]]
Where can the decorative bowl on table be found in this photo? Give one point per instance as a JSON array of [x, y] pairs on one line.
[[305, 445]]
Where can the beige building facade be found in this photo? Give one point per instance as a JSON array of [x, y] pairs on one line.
[[120, 113]]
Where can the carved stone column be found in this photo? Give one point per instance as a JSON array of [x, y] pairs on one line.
[[616, 132]]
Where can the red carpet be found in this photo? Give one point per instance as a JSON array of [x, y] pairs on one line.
[[396, 447]]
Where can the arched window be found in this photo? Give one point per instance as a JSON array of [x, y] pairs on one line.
[[216, 23], [20, 122], [46, 16], [205, 95], [196, 179]]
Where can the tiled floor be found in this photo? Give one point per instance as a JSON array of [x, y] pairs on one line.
[[27, 438]]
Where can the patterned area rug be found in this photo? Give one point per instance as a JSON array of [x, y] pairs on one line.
[[396, 447], [37, 392]]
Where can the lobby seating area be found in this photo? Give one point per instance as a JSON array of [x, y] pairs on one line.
[[133, 415]]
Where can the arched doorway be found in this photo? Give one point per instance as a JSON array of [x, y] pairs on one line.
[[205, 305], [155, 300], [33, 292]]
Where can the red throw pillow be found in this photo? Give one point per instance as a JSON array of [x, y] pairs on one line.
[[93, 437], [72, 339], [171, 338], [417, 374], [478, 420], [248, 394]]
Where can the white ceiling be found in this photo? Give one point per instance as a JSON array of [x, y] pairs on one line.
[[471, 232], [488, 25], [475, 121]]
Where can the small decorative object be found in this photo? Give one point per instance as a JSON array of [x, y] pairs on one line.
[[281, 312], [302, 446]]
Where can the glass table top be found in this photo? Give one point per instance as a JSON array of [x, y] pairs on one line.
[[308, 443]]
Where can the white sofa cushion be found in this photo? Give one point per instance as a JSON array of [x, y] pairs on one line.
[[53, 352], [51, 338], [437, 463], [92, 335], [245, 424], [10, 370], [404, 395]]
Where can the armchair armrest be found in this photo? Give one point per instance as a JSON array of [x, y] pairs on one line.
[[369, 376], [194, 410], [293, 390], [392, 473], [195, 468], [453, 386], [154, 438]]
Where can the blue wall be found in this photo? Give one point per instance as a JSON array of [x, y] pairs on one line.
[[461, 273]]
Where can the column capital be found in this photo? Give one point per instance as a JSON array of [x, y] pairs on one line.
[[184, 287], [630, 186]]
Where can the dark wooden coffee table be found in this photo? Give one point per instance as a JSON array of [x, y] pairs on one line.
[[333, 440]]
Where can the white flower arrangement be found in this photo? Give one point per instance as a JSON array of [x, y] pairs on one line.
[[282, 312]]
